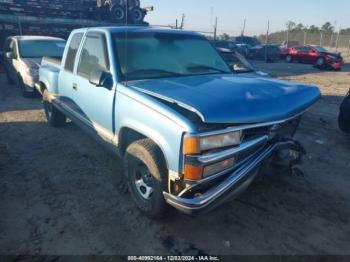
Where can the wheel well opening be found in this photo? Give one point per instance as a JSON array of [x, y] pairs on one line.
[[126, 137], [42, 87]]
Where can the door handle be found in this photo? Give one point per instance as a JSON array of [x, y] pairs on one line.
[[75, 86]]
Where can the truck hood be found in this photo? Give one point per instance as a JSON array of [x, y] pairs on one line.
[[233, 99]]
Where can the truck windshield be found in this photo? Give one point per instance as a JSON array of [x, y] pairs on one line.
[[40, 48], [157, 55]]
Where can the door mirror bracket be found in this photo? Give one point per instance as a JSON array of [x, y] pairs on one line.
[[100, 78], [10, 55]]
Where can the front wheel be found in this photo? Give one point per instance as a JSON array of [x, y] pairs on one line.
[[289, 59], [146, 175], [54, 117]]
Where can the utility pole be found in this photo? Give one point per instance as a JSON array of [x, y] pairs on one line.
[[215, 27], [182, 22], [243, 29], [287, 40], [19, 25], [321, 38], [176, 24], [349, 48], [267, 40], [337, 40], [305, 37]]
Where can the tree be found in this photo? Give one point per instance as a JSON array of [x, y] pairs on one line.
[[290, 25], [313, 29], [224, 37], [345, 31], [299, 27], [327, 27]]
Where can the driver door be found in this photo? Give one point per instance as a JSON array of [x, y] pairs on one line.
[[95, 103]]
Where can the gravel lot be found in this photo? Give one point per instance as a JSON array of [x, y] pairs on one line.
[[60, 191]]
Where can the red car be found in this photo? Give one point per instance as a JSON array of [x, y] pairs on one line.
[[315, 55]]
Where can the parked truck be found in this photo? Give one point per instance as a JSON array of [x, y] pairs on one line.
[[191, 134]]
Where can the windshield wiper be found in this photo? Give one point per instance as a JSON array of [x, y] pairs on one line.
[[152, 71], [198, 67]]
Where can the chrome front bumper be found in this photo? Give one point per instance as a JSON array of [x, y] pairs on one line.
[[232, 186]]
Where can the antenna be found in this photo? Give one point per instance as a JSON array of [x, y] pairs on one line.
[[126, 41]]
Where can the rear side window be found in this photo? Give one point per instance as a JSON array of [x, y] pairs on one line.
[[72, 51], [93, 55]]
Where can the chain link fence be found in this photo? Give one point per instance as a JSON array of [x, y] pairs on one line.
[[334, 41]]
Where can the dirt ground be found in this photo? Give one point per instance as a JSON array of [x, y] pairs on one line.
[[60, 191]]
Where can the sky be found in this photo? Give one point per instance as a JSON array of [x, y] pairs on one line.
[[200, 14]]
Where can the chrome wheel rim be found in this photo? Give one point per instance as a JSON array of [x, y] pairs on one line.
[[320, 61], [144, 182]]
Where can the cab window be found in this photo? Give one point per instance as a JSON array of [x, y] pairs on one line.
[[72, 51], [93, 55]]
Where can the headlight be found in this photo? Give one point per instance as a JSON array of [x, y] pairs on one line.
[[197, 144]]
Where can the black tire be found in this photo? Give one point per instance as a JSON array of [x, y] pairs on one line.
[[24, 91], [144, 161], [344, 115], [118, 14], [320, 62], [8, 78], [136, 15], [133, 3], [118, 2], [289, 59], [54, 117]]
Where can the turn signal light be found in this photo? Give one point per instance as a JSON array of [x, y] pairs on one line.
[[193, 172], [191, 145]]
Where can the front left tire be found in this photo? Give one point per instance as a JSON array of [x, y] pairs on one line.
[[146, 174]]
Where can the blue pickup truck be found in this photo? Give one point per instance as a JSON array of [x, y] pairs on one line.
[[192, 133]]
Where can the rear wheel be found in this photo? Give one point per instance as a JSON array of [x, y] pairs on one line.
[[320, 62], [146, 174], [25, 92], [118, 14], [289, 59], [8, 78], [136, 15], [54, 117], [344, 115]]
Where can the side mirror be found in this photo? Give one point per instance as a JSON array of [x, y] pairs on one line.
[[10, 55], [100, 78]]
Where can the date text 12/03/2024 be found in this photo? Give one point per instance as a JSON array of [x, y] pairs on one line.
[[173, 258]]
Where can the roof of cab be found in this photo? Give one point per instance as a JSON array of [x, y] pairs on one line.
[[34, 37], [134, 29]]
